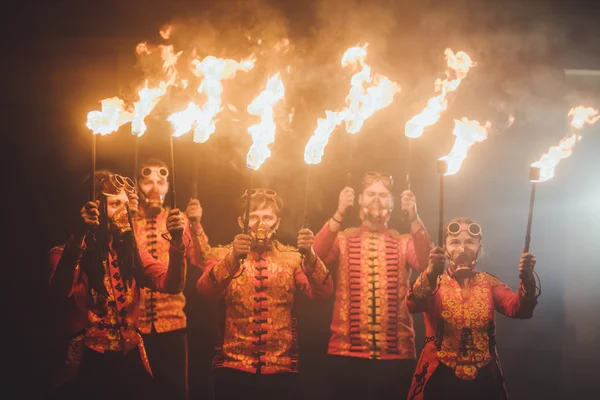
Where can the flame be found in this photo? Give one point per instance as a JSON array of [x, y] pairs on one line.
[[467, 133], [263, 133], [362, 102], [165, 33], [149, 97], [213, 70], [142, 48], [112, 116], [459, 63], [184, 121], [548, 162]]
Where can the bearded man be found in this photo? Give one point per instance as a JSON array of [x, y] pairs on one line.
[[372, 344]]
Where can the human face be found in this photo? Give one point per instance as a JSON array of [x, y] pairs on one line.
[[263, 223], [376, 203], [113, 203], [154, 186], [463, 249]]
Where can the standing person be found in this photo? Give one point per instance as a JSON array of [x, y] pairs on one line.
[[255, 279], [99, 273], [372, 347], [163, 321], [460, 360]]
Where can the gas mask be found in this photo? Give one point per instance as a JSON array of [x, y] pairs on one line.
[[113, 185], [463, 261], [262, 235], [375, 212], [153, 199], [120, 221]]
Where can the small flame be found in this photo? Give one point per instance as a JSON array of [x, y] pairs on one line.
[[467, 133], [142, 48], [214, 70], [548, 162], [362, 102], [112, 116], [459, 63], [263, 133], [166, 32]]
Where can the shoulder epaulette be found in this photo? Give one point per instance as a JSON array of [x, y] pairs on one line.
[[494, 280]]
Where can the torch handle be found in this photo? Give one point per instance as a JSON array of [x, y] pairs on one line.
[[529, 218], [173, 200], [441, 213], [94, 167]]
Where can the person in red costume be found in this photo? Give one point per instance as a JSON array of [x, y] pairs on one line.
[[459, 359], [162, 318], [99, 273], [372, 347], [255, 279]]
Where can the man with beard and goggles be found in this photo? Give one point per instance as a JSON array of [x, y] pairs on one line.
[[163, 321], [255, 280], [99, 274], [460, 359], [371, 347]]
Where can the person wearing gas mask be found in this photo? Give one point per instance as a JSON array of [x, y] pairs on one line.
[[459, 359], [371, 347], [99, 273], [162, 318], [255, 279]]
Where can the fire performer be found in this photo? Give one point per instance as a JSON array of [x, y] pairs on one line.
[[162, 318], [99, 273], [459, 359], [255, 280], [372, 348]]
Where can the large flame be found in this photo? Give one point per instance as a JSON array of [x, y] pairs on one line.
[[467, 133], [214, 70], [459, 63], [112, 116], [202, 119], [263, 133], [361, 103], [547, 163], [149, 97]]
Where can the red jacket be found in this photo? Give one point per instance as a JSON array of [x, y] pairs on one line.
[[164, 310], [460, 333], [259, 329], [370, 318], [107, 323]]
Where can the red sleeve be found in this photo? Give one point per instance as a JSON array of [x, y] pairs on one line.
[[327, 246], [514, 305], [165, 279], [315, 282], [417, 251]]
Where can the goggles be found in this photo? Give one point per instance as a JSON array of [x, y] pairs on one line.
[[268, 193], [454, 228], [113, 184], [162, 172], [371, 177]]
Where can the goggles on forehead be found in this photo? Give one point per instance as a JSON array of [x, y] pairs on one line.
[[162, 172], [454, 229], [371, 177], [268, 193], [113, 184]]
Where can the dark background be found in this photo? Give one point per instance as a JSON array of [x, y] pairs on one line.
[[62, 57]]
